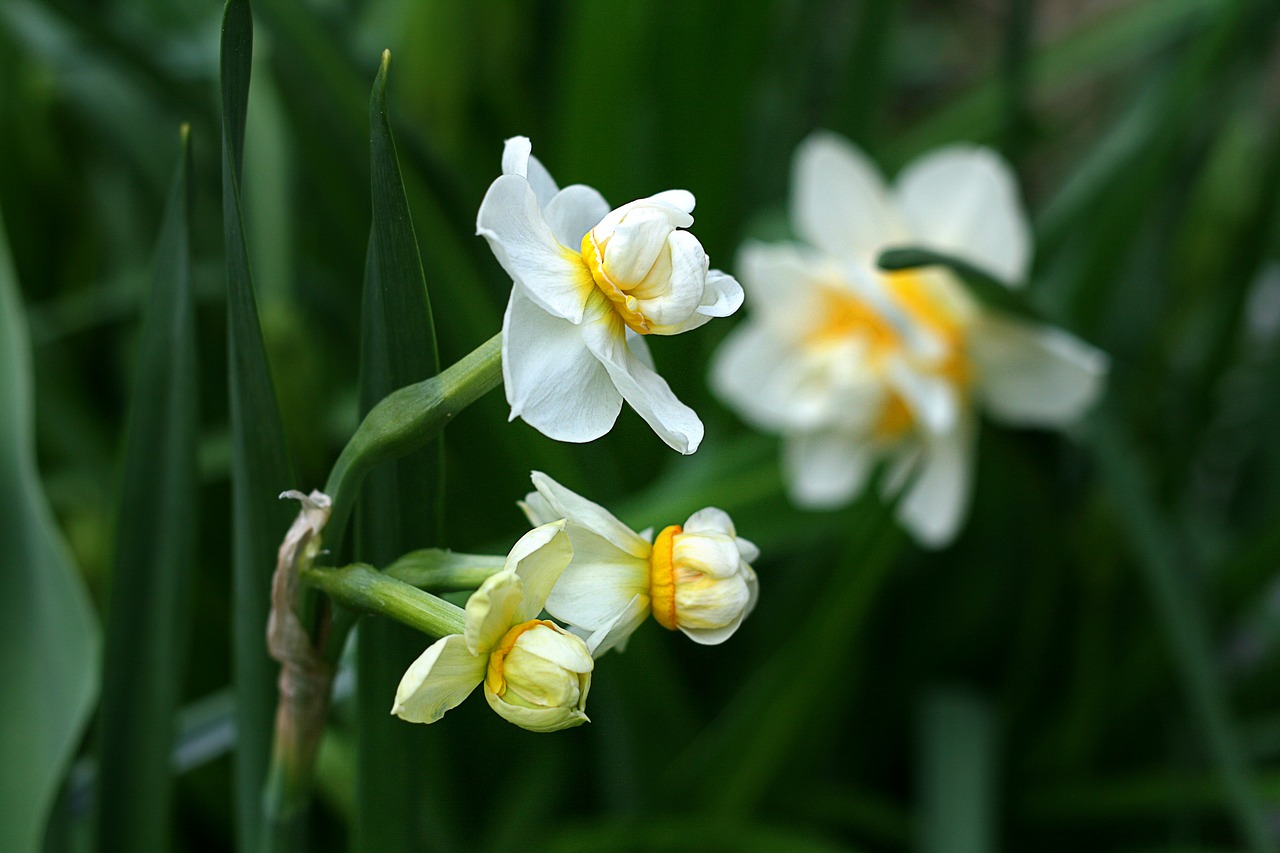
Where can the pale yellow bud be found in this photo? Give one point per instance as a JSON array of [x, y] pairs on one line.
[[538, 677]]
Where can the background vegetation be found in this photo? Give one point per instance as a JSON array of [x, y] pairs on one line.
[[1092, 666]]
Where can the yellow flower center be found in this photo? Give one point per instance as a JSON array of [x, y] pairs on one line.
[[494, 678], [845, 315], [627, 306], [662, 578]]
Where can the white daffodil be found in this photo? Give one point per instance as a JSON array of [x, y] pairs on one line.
[[589, 284], [854, 365], [535, 673], [695, 578]]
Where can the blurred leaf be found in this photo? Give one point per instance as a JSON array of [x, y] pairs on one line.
[[1154, 544], [260, 468], [990, 291], [148, 620], [744, 750], [694, 835], [401, 504], [957, 774], [49, 642]]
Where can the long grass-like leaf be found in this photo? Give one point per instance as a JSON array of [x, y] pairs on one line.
[[744, 749], [147, 627], [400, 506], [260, 468], [957, 780], [49, 642], [1155, 551]]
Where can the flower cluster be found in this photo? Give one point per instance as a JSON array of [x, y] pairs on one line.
[[601, 578], [856, 366]]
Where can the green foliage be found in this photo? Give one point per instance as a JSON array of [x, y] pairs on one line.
[[49, 639], [1090, 666]]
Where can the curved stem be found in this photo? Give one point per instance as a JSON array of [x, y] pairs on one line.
[[362, 587], [406, 420]]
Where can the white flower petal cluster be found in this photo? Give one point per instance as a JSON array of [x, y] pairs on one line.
[[589, 284], [535, 673], [695, 577], [855, 366]]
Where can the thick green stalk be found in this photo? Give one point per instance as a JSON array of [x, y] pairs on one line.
[[407, 420], [438, 570], [363, 588], [403, 422]]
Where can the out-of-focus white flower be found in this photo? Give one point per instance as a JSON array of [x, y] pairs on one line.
[[854, 365], [694, 577], [535, 673], [590, 283]]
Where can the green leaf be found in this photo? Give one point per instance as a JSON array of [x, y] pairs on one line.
[[989, 291], [260, 468], [147, 627], [1154, 543], [49, 642], [957, 774], [742, 753], [400, 507]]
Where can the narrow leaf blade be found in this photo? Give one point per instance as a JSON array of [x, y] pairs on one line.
[[261, 469], [155, 551], [400, 507]]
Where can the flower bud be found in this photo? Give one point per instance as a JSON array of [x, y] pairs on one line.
[[700, 581], [654, 274], [538, 677]]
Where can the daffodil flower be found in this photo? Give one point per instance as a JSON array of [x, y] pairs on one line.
[[535, 673], [590, 284], [695, 577], [854, 365]]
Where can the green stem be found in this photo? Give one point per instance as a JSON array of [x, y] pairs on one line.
[[406, 420], [402, 422], [438, 570], [363, 588]]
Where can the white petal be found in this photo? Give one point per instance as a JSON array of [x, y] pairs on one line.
[[938, 499], [492, 610], [517, 160], [826, 469], [709, 520], [634, 244], [1035, 375], [749, 550], [679, 199], [557, 646], [716, 636], [783, 286], [538, 509], [511, 220], [712, 553], [573, 212], [438, 680], [930, 397], [581, 512], [675, 307], [536, 719], [722, 295], [615, 633], [757, 373], [646, 391], [515, 156], [552, 381], [640, 348], [539, 558], [839, 202], [963, 200], [599, 583]]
